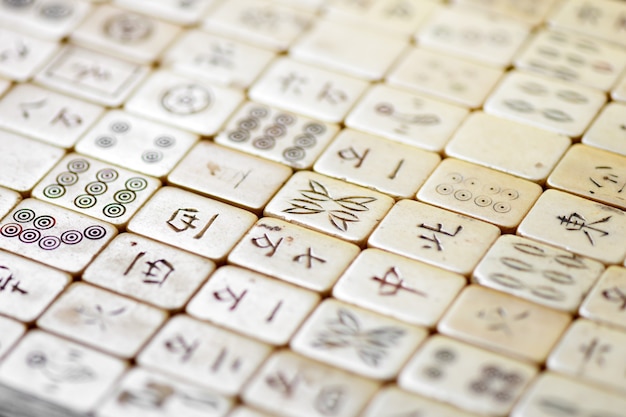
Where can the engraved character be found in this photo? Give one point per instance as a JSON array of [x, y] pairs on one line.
[[434, 238], [157, 272], [6, 278], [184, 218], [576, 222], [391, 283]]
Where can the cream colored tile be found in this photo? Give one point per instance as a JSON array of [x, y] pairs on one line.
[[21, 56], [578, 225], [184, 13], [131, 36], [389, 167], [229, 175], [42, 114], [10, 333], [504, 323], [8, 200], [619, 91], [406, 117], [593, 353], [474, 34], [216, 59], [391, 400], [44, 18], [435, 236], [605, 175], [330, 206], [357, 340], [27, 287], [515, 148], [135, 143], [570, 57], [259, 22], [62, 372], [191, 105], [556, 395], [253, 304], [280, 136], [188, 221], [398, 287], [102, 320], [540, 273], [601, 19], [96, 189], [606, 302], [330, 44], [460, 81], [294, 254], [288, 386], [554, 105], [310, 91], [53, 235], [24, 161], [465, 376], [531, 12], [480, 192], [148, 271], [203, 354], [91, 76], [145, 393], [608, 129]]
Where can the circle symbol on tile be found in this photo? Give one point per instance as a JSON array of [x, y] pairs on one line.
[[78, 166], [85, 201], [285, 119], [96, 188], [502, 207], [248, 124], [165, 141], [114, 210], [49, 242], [125, 27], [314, 128], [186, 99], [11, 230], [482, 201], [106, 175], [44, 222], [264, 142], [151, 157], [67, 178], [120, 126], [106, 141], [136, 184], [24, 215], [95, 232], [238, 136], [71, 237], [444, 189], [305, 141], [294, 153], [463, 195], [30, 235], [124, 196], [258, 112], [54, 191], [56, 11]]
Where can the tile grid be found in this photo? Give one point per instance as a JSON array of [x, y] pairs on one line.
[[529, 286]]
